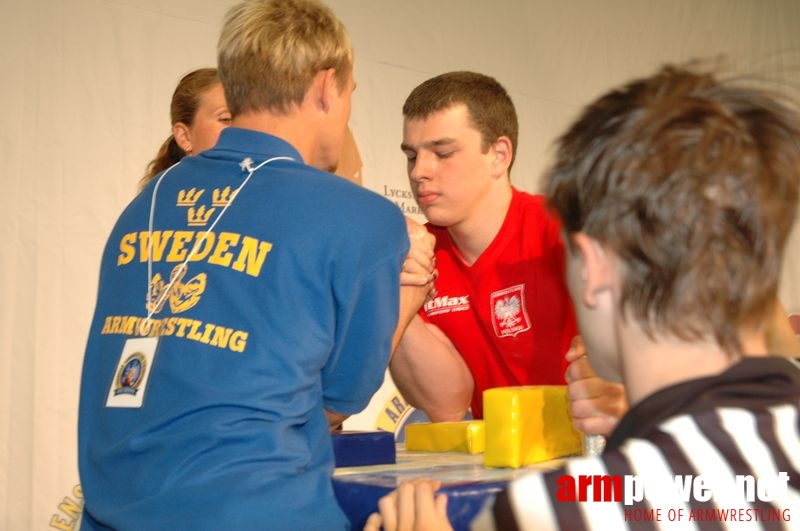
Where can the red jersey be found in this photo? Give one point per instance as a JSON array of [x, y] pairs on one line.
[[509, 314]]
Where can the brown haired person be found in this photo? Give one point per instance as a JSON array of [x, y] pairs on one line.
[[248, 301], [198, 112], [494, 244], [676, 193], [502, 315]]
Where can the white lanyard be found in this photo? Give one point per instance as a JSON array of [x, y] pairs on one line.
[[245, 165]]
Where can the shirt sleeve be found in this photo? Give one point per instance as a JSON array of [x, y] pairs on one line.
[[366, 317]]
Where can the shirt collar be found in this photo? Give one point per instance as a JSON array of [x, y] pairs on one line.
[[752, 381], [250, 142]]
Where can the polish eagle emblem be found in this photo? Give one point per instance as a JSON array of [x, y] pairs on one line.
[[509, 316]]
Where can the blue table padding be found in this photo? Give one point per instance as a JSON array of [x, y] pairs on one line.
[[359, 500], [362, 448]]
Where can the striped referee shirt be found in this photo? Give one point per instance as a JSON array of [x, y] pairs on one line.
[[739, 430]]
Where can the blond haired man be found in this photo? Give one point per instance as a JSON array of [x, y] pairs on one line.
[[247, 303]]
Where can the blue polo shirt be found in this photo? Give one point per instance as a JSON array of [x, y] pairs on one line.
[[273, 292]]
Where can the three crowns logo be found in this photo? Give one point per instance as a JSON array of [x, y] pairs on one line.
[[222, 197], [199, 216], [189, 197]]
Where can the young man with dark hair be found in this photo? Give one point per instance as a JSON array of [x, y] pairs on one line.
[[676, 193], [501, 315]]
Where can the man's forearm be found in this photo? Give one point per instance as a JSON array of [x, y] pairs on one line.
[[411, 299]]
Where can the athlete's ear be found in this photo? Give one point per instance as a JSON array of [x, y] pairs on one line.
[[326, 88], [182, 136], [596, 267], [503, 152]]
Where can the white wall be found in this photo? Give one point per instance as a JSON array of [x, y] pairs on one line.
[[85, 92]]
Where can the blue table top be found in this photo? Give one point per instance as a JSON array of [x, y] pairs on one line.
[[467, 483]]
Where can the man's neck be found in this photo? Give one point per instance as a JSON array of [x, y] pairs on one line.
[[477, 231], [652, 364], [292, 128]]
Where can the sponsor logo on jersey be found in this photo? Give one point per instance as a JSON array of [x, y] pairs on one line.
[[447, 304], [509, 316]]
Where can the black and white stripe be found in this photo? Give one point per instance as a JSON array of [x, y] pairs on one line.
[[718, 444]]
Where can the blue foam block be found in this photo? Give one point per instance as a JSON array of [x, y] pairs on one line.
[[362, 448]]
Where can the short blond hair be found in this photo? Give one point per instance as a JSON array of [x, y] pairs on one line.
[[270, 50]]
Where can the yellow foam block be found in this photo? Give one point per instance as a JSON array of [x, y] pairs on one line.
[[526, 425], [465, 436]]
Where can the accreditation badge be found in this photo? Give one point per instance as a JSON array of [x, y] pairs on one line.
[[133, 370]]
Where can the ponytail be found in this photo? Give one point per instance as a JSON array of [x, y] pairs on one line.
[[183, 107], [167, 155]]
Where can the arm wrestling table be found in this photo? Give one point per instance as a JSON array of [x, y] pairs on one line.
[[467, 483]]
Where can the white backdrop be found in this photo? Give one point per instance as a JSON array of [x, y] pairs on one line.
[[85, 93]]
